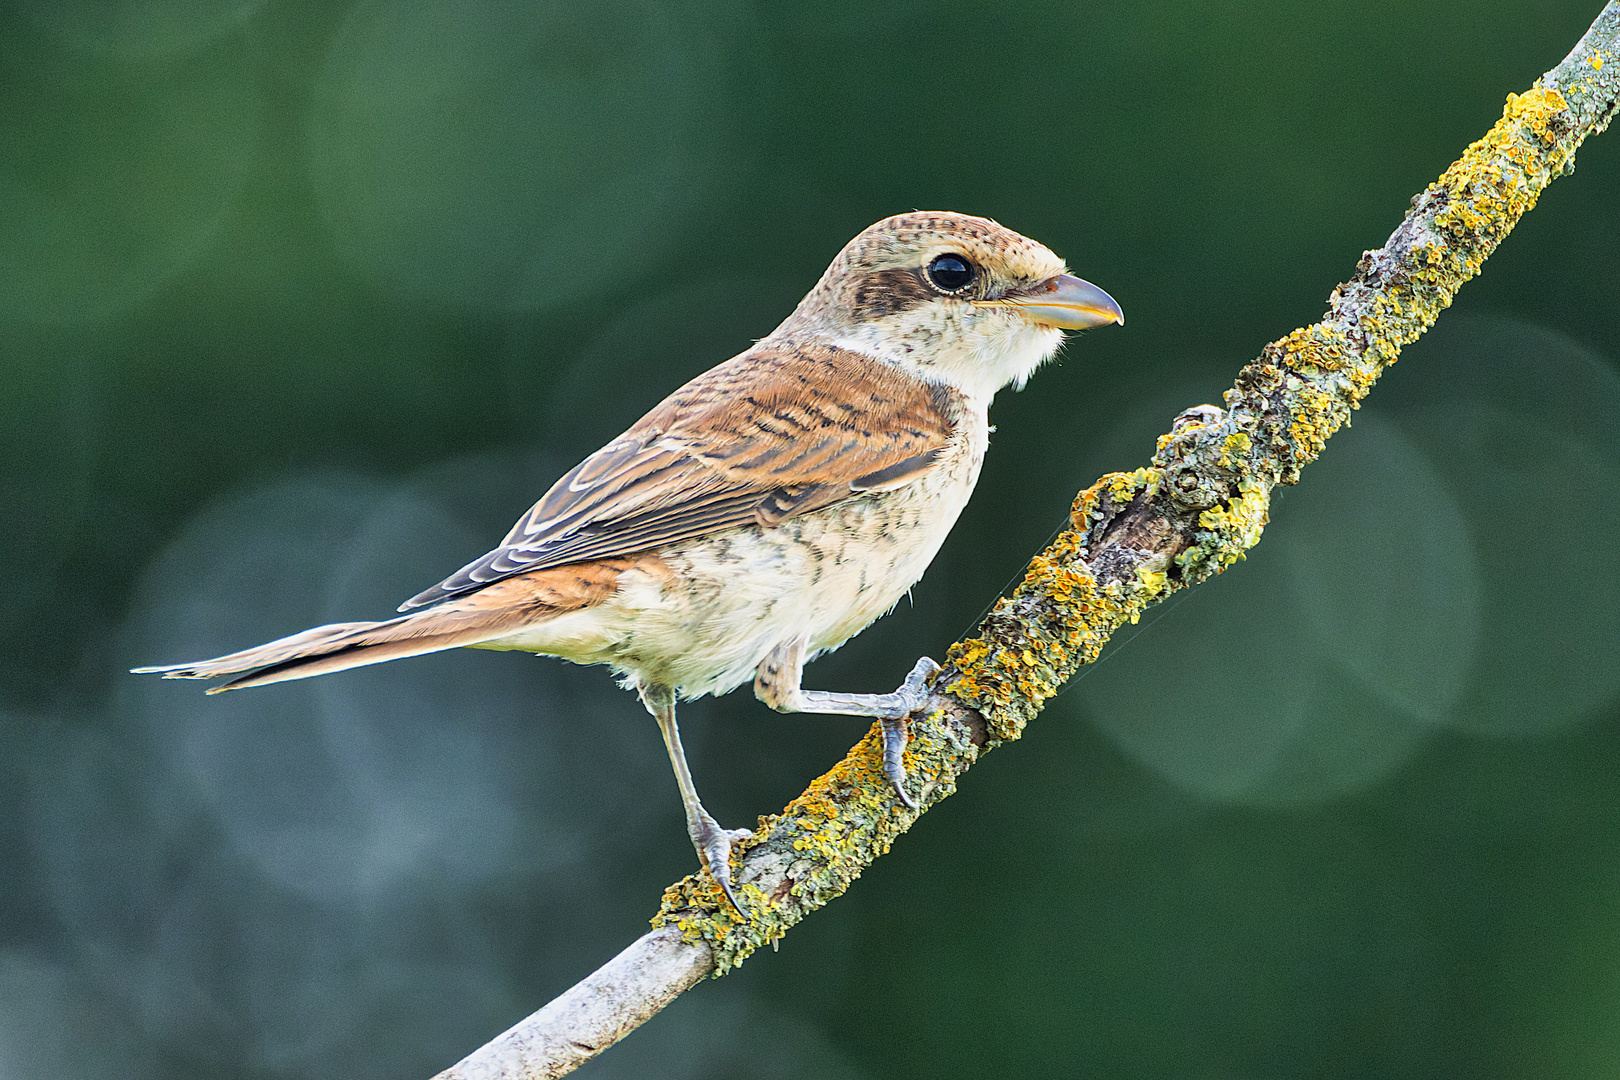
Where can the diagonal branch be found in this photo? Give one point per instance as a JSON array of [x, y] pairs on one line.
[[1133, 538]]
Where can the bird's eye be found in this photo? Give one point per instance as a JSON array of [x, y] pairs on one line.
[[950, 273]]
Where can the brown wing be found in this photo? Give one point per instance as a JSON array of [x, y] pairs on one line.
[[779, 431]]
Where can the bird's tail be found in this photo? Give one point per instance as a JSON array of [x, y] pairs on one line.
[[473, 618], [339, 646]]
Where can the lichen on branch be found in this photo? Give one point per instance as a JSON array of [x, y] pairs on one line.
[[1134, 538]]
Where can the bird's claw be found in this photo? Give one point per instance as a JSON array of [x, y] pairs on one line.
[[910, 697], [916, 684], [714, 847], [894, 760]]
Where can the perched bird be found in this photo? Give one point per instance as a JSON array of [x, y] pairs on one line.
[[765, 512]]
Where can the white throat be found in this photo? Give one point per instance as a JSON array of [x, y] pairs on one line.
[[978, 358]]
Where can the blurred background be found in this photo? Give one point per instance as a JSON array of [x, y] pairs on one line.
[[302, 303]]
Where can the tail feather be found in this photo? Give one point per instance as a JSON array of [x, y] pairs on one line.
[[339, 646], [312, 642], [492, 612], [354, 655]]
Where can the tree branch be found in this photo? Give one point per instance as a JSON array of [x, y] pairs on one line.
[[1133, 538]]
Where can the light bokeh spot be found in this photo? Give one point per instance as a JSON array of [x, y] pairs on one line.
[[289, 868], [353, 785], [1523, 426], [1452, 561], [1381, 564]]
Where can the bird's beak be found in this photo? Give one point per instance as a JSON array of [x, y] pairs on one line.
[[1063, 301]]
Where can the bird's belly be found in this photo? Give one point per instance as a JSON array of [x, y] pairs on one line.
[[821, 578], [732, 597]]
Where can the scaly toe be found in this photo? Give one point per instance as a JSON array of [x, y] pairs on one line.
[[916, 685], [908, 698], [894, 759]]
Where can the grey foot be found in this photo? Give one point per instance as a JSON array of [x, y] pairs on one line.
[[908, 699], [911, 694], [714, 850]]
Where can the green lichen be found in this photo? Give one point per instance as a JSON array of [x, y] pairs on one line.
[[1235, 448], [1125, 487], [1234, 528], [1056, 620]]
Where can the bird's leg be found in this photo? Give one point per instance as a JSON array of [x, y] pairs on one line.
[[712, 842], [776, 683]]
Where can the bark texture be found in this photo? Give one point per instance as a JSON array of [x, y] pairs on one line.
[[592, 1015], [1132, 539]]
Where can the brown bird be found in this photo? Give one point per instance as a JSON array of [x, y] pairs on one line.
[[767, 511]]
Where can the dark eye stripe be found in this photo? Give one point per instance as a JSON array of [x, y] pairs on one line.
[[886, 292]]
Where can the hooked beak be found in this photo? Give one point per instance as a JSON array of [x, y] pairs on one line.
[[1064, 301]]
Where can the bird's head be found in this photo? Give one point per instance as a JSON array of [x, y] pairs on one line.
[[952, 298]]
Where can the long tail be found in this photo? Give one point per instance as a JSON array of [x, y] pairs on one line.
[[340, 646], [490, 613]]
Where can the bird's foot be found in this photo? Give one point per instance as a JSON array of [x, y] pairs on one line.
[[909, 696], [777, 684], [714, 850], [908, 699]]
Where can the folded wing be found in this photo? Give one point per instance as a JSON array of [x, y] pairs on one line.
[[779, 431]]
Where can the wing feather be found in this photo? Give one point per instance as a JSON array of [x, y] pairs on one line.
[[779, 431]]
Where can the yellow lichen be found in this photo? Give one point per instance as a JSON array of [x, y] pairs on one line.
[[1125, 486], [1234, 448], [1009, 682], [1236, 527], [1312, 420], [1316, 348], [1083, 509]]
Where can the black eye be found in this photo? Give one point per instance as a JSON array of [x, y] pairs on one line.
[[950, 273]]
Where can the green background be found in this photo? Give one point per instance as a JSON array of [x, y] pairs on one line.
[[302, 303]]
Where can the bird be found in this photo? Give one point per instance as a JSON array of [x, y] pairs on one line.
[[765, 512]]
